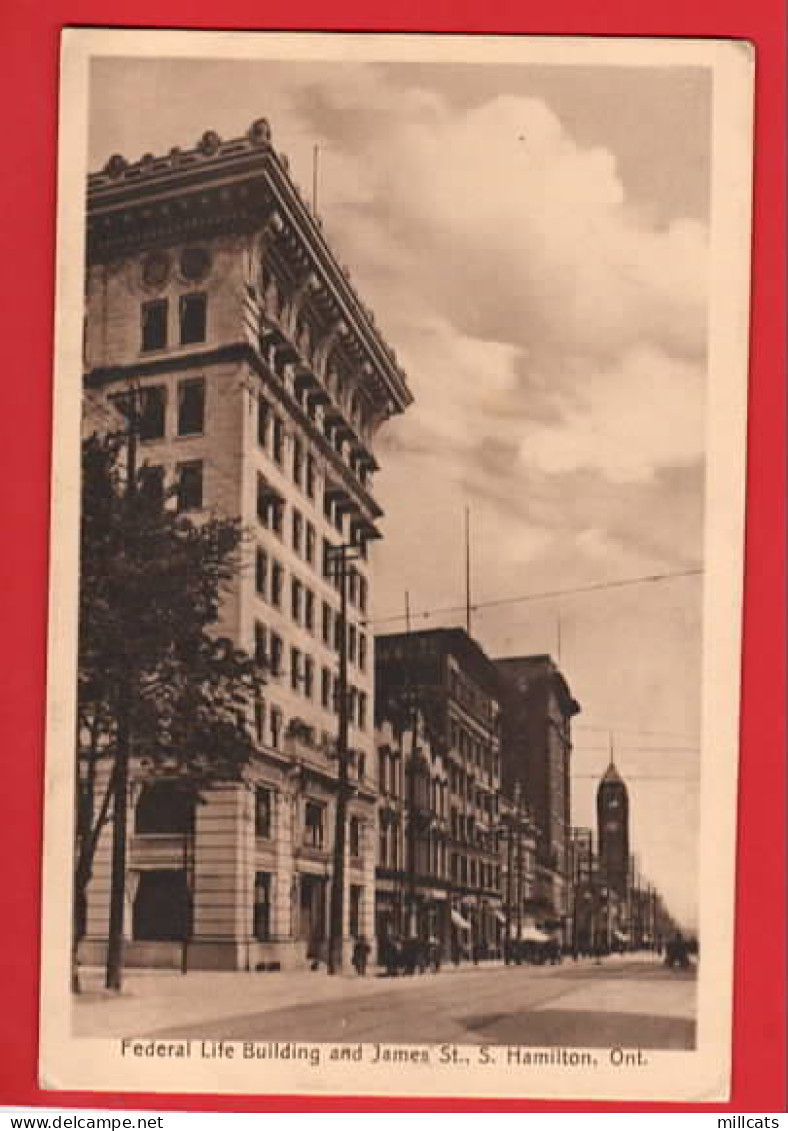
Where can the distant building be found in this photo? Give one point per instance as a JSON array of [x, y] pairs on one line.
[[261, 379], [612, 809], [535, 752], [438, 719]]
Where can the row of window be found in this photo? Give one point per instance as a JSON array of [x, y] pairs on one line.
[[192, 321], [269, 584], [147, 407], [272, 515], [188, 484], [163, 908], [269, 652], [473, 749]]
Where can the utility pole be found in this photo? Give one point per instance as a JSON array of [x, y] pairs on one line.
[[518, 817], [509, 889], [117, 899], [468, 570], [341, 555]]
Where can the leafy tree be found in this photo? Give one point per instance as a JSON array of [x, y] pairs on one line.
[[151, 586]]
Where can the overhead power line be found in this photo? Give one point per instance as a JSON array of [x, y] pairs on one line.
[[541, 596]]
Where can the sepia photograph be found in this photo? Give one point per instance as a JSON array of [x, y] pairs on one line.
[[396, 586]]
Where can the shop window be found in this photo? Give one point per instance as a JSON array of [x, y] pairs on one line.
[[162, 907], [193, 318], [191, 406], [190, 485], [154, 324], [262, 906]]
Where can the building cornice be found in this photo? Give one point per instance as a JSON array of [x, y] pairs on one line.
[[239, 186]]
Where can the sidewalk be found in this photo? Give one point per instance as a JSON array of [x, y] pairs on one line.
[[157, 999]]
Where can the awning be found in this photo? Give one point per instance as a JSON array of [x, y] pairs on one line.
[[529, 934], [622, 936], [459, 922], [499, 915]]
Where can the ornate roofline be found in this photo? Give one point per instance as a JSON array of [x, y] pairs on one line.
[[239, 185]]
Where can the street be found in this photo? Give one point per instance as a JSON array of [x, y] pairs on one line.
[[628, 1001]]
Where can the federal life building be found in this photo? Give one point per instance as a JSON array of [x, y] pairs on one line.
[[262, 378]]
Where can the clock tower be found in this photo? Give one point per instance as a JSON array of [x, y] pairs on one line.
[[612, 809]]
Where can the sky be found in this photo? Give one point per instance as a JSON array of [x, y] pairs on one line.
[[533, 242]]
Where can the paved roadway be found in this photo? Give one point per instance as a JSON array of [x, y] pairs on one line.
[[620, 1002]]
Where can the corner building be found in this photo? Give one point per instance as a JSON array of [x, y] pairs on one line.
[[261, 379]]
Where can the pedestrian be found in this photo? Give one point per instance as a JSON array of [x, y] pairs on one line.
[[361, 955]]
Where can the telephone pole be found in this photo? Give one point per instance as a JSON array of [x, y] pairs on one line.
[[341, 555], [117, 899]]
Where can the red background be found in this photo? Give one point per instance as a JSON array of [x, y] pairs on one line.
[[29, 75]]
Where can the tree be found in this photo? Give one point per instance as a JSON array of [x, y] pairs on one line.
[[151, 659]]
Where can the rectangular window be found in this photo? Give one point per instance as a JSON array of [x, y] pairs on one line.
[[259, 717], [152, 484], [351, 643], [309, 676], [354, 836], [190, 486], [278, 433], [153, 400], [326, 625], [262, 906], [325, 688], [277, 584], [298, 462], [314, 824], [260, 643], [276, 725], [154, 324], [263, 812], [298, 531], [328, 563], [193, 317], [362, 710], [362, 593], [296, 590], [362, 651], [352, 587], [295, 668], [191, 406], [261, 572], [309, 544], [309, 610], [310, 475], [276, 654], [263, 422]]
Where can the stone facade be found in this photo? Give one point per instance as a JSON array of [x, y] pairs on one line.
[[437, 696], [212, 294], [536, 751]]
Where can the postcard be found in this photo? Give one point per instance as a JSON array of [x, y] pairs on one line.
[[397, 552]]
